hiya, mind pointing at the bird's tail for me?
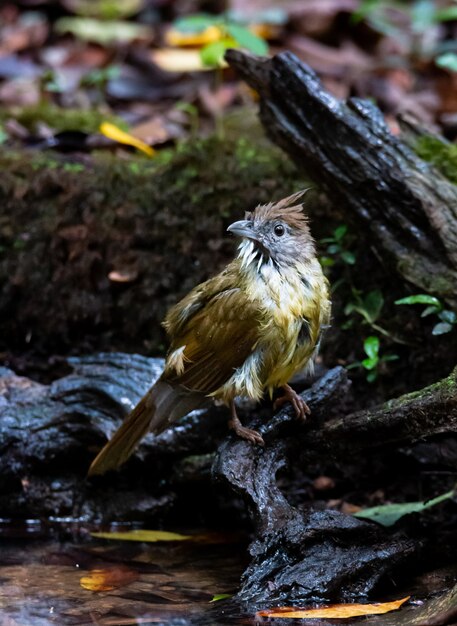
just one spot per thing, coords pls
(162, 405)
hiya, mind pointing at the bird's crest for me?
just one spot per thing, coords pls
(286, 209)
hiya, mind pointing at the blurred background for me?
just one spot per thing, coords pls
(154, 68)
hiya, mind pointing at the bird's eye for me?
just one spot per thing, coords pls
(279, 230)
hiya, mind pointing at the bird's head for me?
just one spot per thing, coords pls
(276, 232)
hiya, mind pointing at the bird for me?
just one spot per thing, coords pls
(241, 333)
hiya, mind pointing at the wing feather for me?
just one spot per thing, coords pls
(218, 336)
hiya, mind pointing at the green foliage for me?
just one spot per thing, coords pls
(368, 305)
(246, 39)
(448, 319)
(212, 54)
(338, 248)
(420, 298)
(373, 360)
(234, 35)
(221, 596)
(442, 154)
(61, 119)
(448, 61)
(389, 514)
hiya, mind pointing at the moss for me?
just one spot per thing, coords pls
(163, 219)
(60, 119)
(441, 154)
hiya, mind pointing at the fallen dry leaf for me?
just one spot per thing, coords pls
(156, 130)
(150, 536)
(116, 134)
(177, 60)
(108, 578)
(340, 611)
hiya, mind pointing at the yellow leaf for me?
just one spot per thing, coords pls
(175, 37)
(108, 578)
(150, 536)
(176, 60)
(340, 611)
(113, 132)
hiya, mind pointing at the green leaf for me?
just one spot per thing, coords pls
(371, 347)
(340, 232)
(420, 298)
(388, 514)
(333, 248)
(373, 303)
(430, 310)
(348, 257)
(448, 61)
(390, 357)
(150, 536)
(442, 328)
(326, 261)
(246, 39)
(372, 376)
(448, 316)
(446, 14)
(196, 23)
(370, 364)
(220, 596)
(349, 308)
(213, 53)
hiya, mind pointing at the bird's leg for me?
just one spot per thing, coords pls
(300, 406)
(245, 433)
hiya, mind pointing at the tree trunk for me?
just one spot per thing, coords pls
(406, 208)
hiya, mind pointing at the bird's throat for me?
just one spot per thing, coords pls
(253, 255)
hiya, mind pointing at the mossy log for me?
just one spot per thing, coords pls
(405, 207)
(95, 248)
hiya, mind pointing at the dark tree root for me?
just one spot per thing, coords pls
(318, 554)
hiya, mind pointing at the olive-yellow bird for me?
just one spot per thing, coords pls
(247, 330)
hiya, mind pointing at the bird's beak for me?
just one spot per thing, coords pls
(243, 228)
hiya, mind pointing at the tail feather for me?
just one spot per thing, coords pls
(162, 405)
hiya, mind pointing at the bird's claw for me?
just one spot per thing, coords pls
(301, 409)
(246, 433)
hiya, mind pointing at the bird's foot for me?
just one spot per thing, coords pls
(242, 431)
(301, 409)
(246, 433)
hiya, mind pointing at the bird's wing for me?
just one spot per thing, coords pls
(179, 315)
(216, 334)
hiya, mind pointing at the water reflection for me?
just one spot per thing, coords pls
(88, 581)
